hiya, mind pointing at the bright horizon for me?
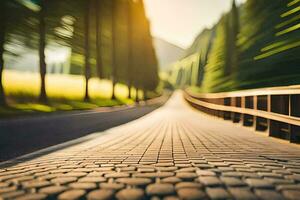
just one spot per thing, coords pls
(196, 15)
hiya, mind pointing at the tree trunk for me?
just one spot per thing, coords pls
(129, 48)
(87, 50)
(136, 95)
(129, 91)
(42, 46)
(113, 96)
(113, 49)
(2, 41)
(98, 39)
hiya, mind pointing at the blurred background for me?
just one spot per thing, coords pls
(58, 55)
(65, 55)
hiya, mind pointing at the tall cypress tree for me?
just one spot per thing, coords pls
(2, 41)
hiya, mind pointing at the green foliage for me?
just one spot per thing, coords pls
(108, 39)
(222, 58)
(255, 45)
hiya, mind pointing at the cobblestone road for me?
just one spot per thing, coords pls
(173, 153)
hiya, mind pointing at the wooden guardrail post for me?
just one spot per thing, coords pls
(236, 102)
(227, 114)
(280, 105)
(248, 119)
(295, 112)
(262, 102)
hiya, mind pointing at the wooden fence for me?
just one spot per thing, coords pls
(275, 111)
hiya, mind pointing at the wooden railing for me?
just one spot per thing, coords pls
(275, 111)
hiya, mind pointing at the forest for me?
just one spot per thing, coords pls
(254, 45)
(108, 40)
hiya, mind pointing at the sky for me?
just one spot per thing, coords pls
(180, 21)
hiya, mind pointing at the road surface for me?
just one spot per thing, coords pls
(175, 152)
(25, 135)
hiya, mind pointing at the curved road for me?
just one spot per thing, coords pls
(26, 135)
(174, 152)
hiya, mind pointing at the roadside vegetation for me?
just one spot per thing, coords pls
(254, 45)
(23, 92)
(87, 54)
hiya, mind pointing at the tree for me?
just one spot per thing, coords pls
(98, 38)
(2, 41)
(129, 47)
(222, 57)
(113, 48)
(42, 46)
(87, 49)
(258, 20)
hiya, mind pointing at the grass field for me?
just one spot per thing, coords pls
(65, 92)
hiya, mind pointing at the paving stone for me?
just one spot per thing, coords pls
(169, 198)
(12, 195)
(92, 179)
(183, 165)
(233, 174)
(71, 194)
(291, 194)
(154, 175)
(146, 170)
(188, 169)
(217, 193)
(288, 187)
(160, 189)
(64, 180)
(83, 186)
(293, 177)
(186, 175)
(102, 194)
(232, 182)
(259, 183)
(130, 194)
(172, 180)
(117, 175)
(210, 181)
(35, 184)
(191, 194)
(126, 169)
(52, 190)
(112, 186)
(134, 181)
(75, 174)
(205, 173)
(270, 175)
(8, 189)
(166, 169)
(277, 181)
(268, 194)
(164, 164)
(242, 194)
(3, 184)
(188, 185)
(32, 197)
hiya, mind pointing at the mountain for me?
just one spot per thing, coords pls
(167, 53)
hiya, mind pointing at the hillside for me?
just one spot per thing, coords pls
(167, 53)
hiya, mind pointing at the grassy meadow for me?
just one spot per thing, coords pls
(65, 92)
